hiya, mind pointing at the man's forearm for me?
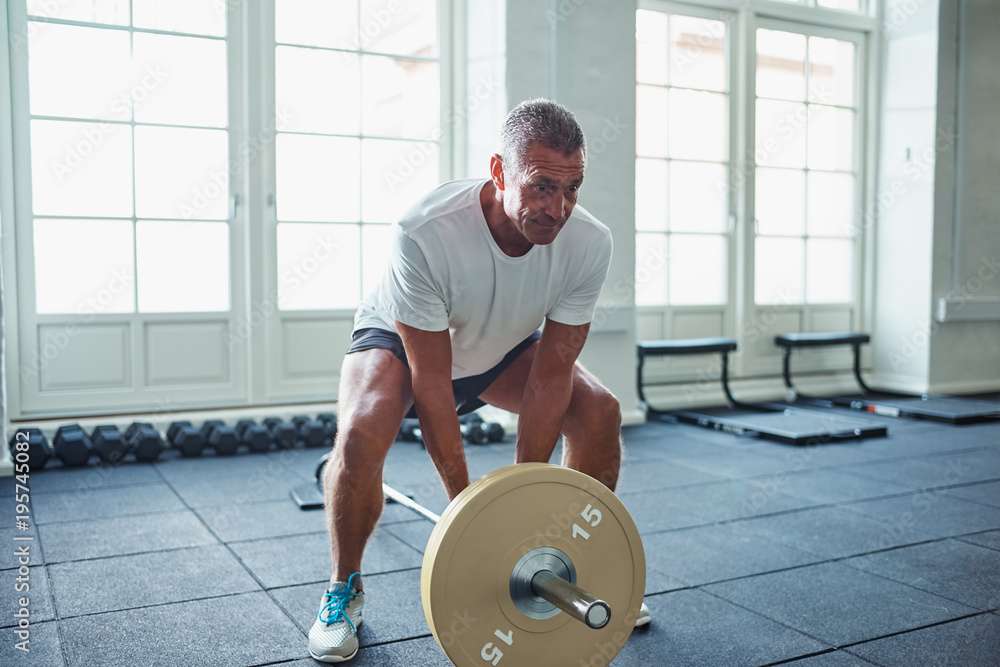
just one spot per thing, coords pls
(441, 434)
(542, 411)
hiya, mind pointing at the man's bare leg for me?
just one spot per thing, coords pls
(592, 426)
(375, 394)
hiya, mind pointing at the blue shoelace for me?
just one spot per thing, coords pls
(336, 601)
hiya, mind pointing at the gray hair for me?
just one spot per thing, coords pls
(539, 122)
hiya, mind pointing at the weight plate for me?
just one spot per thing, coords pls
(487, 530)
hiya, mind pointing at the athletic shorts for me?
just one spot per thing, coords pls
(467, 389)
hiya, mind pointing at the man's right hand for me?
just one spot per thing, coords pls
(429, 356)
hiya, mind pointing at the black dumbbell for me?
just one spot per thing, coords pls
(39, 450)
(253, 435)
(143, 440)
(474, 433)
(283, 434)
(72, 445)
(312, 433)
(494, 432)
(223, 440)
(186, 438)
(408, 430)
(329, 421)
(207, 427)
(108, 443)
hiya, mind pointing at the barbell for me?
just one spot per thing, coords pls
(531, 564)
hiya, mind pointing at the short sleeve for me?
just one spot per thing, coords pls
(408, 292)
(578, 305)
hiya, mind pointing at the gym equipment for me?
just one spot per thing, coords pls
(187, 439)
(208, 426)
(311, 432)
(143, 440)
(108, 443)
(72, 445)
(947, 409)
(571, 535)
(282, 433)
(409, 431)
(253, 435)
(780, 423)
(329, 421)
(572, 538)
(223, 440)
(39, 450)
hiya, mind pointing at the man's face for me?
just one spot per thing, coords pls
(540, 196)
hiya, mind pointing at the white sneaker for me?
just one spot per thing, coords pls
(644, 616)
(334, 635)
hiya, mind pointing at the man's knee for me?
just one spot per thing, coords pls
(363, 441)
(597, 411)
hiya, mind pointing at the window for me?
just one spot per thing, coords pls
(129, 137)
(682, 207)
(359, 85)
(805, 175)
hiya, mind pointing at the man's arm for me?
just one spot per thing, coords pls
(429, 356)
(548, 391)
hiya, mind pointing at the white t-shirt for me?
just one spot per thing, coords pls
(446, 272)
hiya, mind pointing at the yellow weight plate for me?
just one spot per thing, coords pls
(485, 531)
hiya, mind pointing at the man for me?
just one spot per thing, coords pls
(475, 268)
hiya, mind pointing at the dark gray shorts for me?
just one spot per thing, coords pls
(467, 390)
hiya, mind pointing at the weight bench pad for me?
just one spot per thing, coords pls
(821, 339)
(652, 348)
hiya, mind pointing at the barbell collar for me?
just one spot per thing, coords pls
(572, 599)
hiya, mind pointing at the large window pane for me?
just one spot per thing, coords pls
(651, 195)
(851, 5)
(781, 134)
(318, 89)
(831, 71)
(651, 121)
(406, 28)
(395, 174)
(79, 72)
(828, 271)
(84, 266)
(779, 201)
(698, 197)
(651, 47)
(781, 65)
(697, 125)
(318, 178)
(330, 23)
(697, 269)
(319, 266)
(199, 17)
(375, 244)
(181, 173)
(114, 12)
(183, 80)
(197, 283)
(697, 53)
(81, 169)
(650, 269)
(399, 98)
(779, 270)
(831, 138)
(831, 204)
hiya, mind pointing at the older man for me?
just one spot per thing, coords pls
(476, 267)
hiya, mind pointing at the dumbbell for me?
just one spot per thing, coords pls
(311, 432)
(186, 438)
(223, 440)
(143, 440)
(282, 433)
(474, 433)
(409, 430)
(72, 445)
(107, 440)
(329, 421)
(38, 452)
(494, 432)
(253, 435)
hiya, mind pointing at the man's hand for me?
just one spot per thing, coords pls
(429, 356)
(549, 389)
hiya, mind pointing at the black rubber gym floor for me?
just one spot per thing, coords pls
(884, 551)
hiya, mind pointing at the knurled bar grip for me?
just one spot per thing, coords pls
(572, 599)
